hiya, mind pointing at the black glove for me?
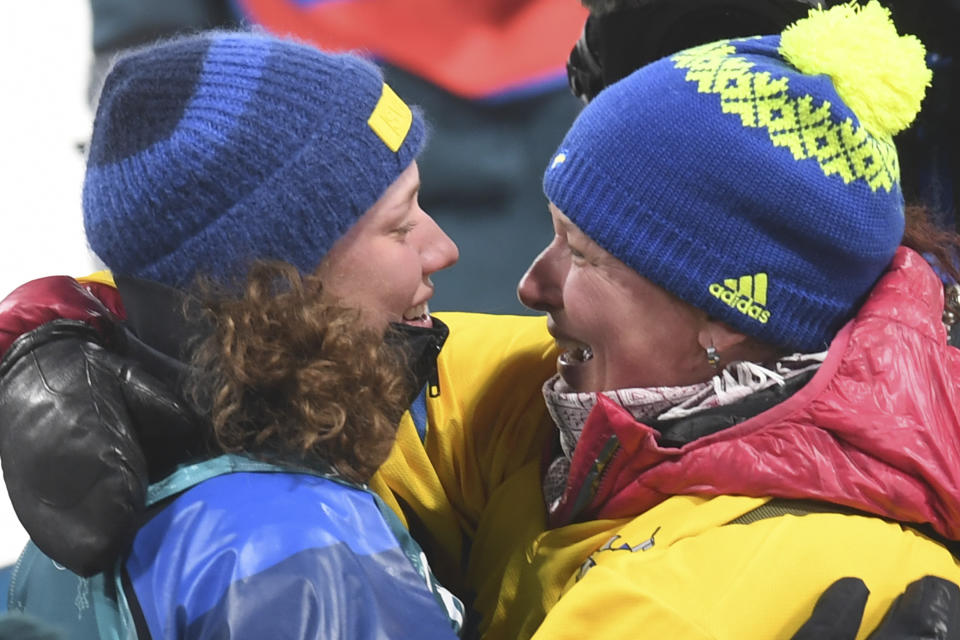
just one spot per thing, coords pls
(72, 462)
(929, 609)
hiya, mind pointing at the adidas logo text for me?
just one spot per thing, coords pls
(747, 294)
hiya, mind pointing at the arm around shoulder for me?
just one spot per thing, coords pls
(760, 580)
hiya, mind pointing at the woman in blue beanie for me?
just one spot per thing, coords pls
(755, 393)
(256, 202)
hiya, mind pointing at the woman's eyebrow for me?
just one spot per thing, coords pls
(400, 207)
(412, 191)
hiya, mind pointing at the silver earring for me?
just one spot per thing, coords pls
(712, 356)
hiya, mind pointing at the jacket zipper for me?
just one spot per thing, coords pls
(593, 482)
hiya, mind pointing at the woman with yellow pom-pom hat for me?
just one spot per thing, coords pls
(754, 394)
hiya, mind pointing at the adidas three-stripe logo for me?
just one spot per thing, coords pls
(746, 294)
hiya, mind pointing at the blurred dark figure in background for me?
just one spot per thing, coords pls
(928, 156)
(623, 35)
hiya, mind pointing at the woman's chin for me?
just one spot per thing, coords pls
(572, 378)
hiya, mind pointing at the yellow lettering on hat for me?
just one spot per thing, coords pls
(391, 119)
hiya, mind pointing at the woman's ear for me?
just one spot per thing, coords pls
(731, 345)
(720, 336)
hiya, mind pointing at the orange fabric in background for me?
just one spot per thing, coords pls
(473, 48)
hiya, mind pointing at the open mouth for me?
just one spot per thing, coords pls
(575, 355)
(571, 363)
(418, 316)
(572, 351)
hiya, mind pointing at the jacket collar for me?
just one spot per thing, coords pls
(157, 314)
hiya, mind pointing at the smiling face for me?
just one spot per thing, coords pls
(615, 328)
(382, 265)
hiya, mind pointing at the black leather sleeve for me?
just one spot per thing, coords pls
(72, 463)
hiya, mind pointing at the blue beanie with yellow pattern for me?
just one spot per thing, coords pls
(211, 151)
(757, 179)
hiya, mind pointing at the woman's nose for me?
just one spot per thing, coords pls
(438, 251)
(541, 287)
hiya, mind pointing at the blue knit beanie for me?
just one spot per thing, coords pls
(211, 151)
(756, 179)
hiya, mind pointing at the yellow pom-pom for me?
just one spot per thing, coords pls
(882, 76)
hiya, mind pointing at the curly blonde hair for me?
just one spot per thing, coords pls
(289, 373)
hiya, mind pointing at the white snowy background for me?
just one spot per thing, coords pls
(44, 57)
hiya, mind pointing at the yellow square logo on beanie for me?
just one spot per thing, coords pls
(391, 118)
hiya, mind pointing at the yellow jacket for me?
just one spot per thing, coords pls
(488, 421)
(471, 493)
(679, 571)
